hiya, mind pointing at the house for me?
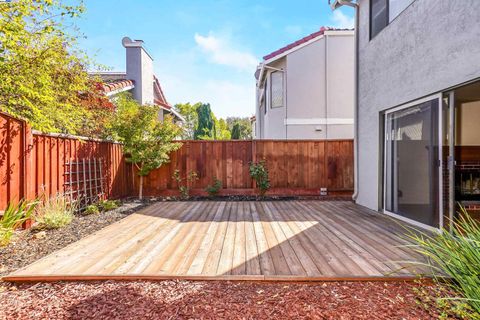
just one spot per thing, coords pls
(138, 79)
(305, 90)
(417, 108)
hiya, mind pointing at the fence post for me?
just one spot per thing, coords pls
(29, 163)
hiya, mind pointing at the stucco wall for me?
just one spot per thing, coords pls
(319, 84)
(431, 46)
(140, 70)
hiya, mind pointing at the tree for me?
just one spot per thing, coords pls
(206, 125)
(221, 129)
(189, 113)
(236, 131)
(147, 142)
(41, 71)
(243, 130)
(101, 111)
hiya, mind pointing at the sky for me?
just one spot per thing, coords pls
(204, 51)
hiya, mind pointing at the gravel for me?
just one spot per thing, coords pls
(212, 300)
(31, 245)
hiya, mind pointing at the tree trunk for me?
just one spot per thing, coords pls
(140, 189)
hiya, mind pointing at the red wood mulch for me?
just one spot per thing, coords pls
(211, 300)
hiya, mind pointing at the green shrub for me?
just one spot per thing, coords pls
(455, 254)
(259, 173)
(91, 209)
(184, 189)
(107, 205)
(213, 190)
(13, 217)
(55, 212)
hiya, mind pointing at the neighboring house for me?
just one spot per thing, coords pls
(305, 90)
(138, 79)
(418, 108)
(253, 123)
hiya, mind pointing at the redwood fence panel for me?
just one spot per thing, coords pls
(296, 167)
(33, 164)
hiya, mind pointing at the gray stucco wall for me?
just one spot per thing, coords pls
(140, 70)
(431, 46)
(319, 84)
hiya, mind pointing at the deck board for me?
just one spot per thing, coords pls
(232, 240)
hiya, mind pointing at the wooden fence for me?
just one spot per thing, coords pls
(33, 164)
(296, 167)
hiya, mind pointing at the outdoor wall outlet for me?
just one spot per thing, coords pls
(323, 191)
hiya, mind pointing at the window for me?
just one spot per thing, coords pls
(382, 12)
(378, 16)
(276, 89)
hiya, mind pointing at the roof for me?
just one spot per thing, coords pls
(159, 96)
(297, 43)
(117, 85)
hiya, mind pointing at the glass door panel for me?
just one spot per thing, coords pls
(411, 163)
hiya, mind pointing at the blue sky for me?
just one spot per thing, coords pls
(204, 50)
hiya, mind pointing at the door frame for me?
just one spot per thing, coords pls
(439, 97)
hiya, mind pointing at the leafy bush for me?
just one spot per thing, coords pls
(259, 173)
(13, 217)
(55, 212)
(213, 190)
(184, 188)
(91, 209)
(455, 254)
(107, 205)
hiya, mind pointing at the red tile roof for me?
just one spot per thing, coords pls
(159, 96)
(301, 41)
(116, 85)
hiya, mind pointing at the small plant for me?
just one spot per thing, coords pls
(107, 205)
(91, 209)
(184, 189)
(54, 213)
(13, 217)
(455, 254)
(213, 190)
(259, 173)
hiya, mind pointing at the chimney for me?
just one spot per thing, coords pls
(140, 70)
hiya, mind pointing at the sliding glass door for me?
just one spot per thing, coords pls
(412, 160)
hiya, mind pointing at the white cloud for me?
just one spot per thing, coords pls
(343, 21)
(221, 51)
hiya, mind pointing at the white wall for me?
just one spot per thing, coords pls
(468, 124)
(319, 88)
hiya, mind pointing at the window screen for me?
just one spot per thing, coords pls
(276, 89)
(378, 16)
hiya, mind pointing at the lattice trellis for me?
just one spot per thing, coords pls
(84, 181)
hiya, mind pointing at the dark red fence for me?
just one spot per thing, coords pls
(296, 167)
(32, 164)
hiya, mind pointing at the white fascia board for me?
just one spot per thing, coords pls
(318, 121)
(114, 92)
(339, 32)
(174, 112)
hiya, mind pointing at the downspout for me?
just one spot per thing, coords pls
(356, 96)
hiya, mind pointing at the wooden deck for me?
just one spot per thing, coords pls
(280, 240)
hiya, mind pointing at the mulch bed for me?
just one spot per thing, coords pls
(212, 300)
(26, 247)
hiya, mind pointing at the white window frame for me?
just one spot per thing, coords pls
(271, 89)
(440, 157)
